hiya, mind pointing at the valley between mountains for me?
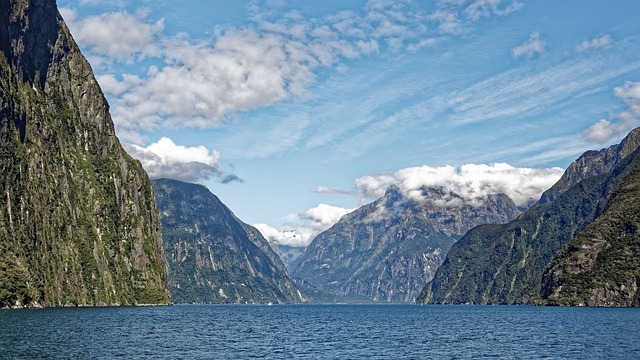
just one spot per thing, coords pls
(82, 224)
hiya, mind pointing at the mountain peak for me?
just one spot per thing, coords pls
(593, 163)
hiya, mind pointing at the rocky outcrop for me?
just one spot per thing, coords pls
(212, 256)
(387, 250)
(78, 221)
(504, 264)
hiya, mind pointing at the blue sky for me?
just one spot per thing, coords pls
(293, 112)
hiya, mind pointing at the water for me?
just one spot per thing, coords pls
(321, 332)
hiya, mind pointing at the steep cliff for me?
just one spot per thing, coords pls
(500, 264)
(212, 256)
(387, 250)
(78, 221)
(601, 266)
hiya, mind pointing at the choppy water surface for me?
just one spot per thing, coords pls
(321, 332)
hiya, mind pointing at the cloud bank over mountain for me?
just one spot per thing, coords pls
(470, 181)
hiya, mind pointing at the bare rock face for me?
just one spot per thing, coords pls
(387, 250)
(78, 221)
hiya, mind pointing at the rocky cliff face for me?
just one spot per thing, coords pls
(212, 256)
(385, 251)
(78, 222)
(601, 266)
(505, 263)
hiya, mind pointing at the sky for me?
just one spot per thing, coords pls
(296, 112)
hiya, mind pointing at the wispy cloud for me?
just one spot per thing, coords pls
(533, 46)
(599, 42)
(455, 17)
(326, 190)
(528, 90)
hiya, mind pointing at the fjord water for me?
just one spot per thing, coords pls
(321, 332)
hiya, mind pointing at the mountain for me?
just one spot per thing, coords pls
(593, 163)
(287, 253)
(78, 221)
(504, 264)
(212, 256)
(601, 266)
(386, 251)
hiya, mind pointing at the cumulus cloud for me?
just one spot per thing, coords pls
(530, 48)
(601, 41)
(471, 181)
(304, 228)
(201, 84)
(601, 131)
(118, 35)
(165, 159)
(605, 131)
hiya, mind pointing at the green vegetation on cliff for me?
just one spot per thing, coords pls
(78, 222)
(601, 266)
(504, 264)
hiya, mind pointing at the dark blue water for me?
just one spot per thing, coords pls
(321, 332)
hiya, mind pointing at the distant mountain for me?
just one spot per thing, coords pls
(504, 264)
(288, 254)
(601, 266)
(386, 251)
(78, 221)
(212, 256)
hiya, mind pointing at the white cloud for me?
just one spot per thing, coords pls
(600, 132)
(457, 16)
(484, 8)
(533, 46)
(199, 84)
(471, 181)
(111, 85)
(305, 227)
(118, 35)
(165, 159)
(605, 131)
(601, 41)
(423, 43)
